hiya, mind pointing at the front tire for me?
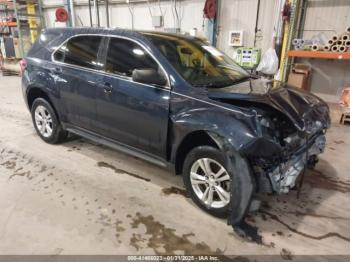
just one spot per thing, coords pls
(46, 122)
(207, 179)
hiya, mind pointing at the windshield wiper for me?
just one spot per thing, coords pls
(223, 84)
(243, 79)
(209, 85)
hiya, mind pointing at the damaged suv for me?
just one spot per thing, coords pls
(177, 102)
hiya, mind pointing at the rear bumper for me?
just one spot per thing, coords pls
(24, 84)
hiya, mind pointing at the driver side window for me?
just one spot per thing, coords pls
(124, 56)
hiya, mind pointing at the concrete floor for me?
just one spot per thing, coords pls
(82, 198)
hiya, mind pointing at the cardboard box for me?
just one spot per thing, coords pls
(300, 76)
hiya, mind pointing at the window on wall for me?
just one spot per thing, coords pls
(124, 56)
(80, 51)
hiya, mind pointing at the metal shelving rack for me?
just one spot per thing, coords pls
(319, 55)
(29, 20)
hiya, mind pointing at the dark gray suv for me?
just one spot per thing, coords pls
(177, 102)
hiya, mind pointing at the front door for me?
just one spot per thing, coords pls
(132, 113)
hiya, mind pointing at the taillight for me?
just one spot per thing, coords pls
(23, 65)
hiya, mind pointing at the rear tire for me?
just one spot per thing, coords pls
(46, 122)
(210, 189)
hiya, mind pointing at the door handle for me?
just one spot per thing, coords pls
(56, 70)
(107, 88)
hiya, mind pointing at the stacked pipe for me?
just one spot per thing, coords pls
(337, 43)
(340, 42)
(302, 44)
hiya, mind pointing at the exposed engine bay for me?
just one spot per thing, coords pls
(299, 151)
(283, 177)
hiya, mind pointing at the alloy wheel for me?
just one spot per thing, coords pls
(43, 121)
(210, 182)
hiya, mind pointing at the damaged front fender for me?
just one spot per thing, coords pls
(238, 128)
(243, 184)
(231, 133)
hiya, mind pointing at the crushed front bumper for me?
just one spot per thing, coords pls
(283, 177)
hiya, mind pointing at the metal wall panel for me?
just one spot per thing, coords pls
(329, 17)
(241, 15)
(190, 12)
(234, 14)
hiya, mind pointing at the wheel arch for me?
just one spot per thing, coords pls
(36, 92)
(190, 141)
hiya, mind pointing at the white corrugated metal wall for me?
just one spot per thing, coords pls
(234, 15)
(241, 15)
(190, 12)
(329, 17)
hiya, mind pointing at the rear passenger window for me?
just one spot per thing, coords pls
(124, 56)
(80, 51)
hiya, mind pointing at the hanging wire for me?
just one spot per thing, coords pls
(149, 8)
(131, 10)
(182, 12)
(160, 9)
(177, 14)
(172, 12)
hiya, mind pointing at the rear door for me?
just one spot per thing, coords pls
(78, 72)
(132, 113)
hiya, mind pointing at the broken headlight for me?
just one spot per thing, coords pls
(268, 127)
(266, 122)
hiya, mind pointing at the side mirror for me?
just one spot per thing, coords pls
(148, 76)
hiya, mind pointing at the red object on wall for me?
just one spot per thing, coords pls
(210, 9)
(286, 12)
(61, 15)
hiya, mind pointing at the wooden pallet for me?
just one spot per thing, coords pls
(345, 117)
(9, 73)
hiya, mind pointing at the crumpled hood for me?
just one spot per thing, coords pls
(302, 108)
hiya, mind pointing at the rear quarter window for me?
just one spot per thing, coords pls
(43, 44)
(80, 51)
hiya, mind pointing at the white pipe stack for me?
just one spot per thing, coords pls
(342, 48)
(345, 37)
(335, 38)
(338, 43)
(327, 48)
(301, 44)
(317, 48)
(334, 48)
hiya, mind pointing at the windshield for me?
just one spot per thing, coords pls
(199, 64)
